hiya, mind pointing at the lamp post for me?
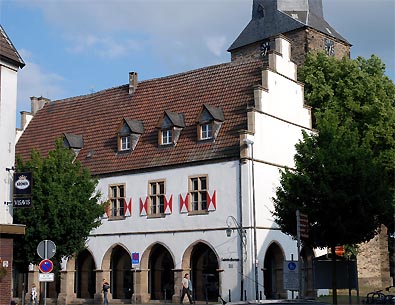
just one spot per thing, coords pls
(242, 234)
(250, 142)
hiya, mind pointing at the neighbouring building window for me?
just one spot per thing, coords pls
(198, 193)
(157, 197)
(117, 199)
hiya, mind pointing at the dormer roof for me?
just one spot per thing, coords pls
(73, 141)
(135, 126)
(273, 17)
(8, 52)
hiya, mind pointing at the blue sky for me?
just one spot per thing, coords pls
(75, 47)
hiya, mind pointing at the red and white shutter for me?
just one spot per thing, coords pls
(211, 201)
(144, 206)
(127, 207)
(184, 202)
(169, 205)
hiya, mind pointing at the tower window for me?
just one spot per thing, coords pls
(261, 12)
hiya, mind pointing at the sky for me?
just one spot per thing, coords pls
(76, 47)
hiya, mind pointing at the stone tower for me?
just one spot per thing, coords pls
(301, 21)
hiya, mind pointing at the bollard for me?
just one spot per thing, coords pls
(164, 293)
(245, 295)
(230, 297)
(260, 295)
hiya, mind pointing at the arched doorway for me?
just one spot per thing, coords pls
(121, 274)
(161, 276)
(85, 277)
(204, 273)
(273, 272)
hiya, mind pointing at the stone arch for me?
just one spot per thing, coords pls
(273, 272)
(203, 262)
(117, 260)
(85, 274)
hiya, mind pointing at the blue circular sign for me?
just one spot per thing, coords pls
(46, 266)
(291, 266)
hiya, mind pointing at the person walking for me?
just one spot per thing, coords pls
(33, 295)
(186, 288)
(106, 287)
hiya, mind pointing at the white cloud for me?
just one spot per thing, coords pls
(105, 47)
(33, 81)
(216, 44)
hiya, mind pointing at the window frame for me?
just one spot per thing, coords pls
(128, 142)
(169, 139)
(117, 202)
(198, 197)
(206, 134)
(158, 198)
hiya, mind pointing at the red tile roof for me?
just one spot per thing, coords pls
(97, 117)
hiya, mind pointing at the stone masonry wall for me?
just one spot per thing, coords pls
(302, 41)
(6, 253)
(373, 263)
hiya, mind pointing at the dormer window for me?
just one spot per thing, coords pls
(170, 126)
(129, 134)
(209, 122)
(206, 131)
(74, 142)
(167, 137)
(125, 143)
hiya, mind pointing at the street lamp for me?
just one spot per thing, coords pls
(242, 233)
(250, 142)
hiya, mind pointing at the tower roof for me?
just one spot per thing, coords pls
(274, 17)
(8, 51)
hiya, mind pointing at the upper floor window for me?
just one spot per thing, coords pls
(209, 121)
(116, 195)
(129, 134)
(157, 197)
(170, 126)
(198, 193)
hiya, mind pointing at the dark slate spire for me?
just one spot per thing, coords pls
(274, 17)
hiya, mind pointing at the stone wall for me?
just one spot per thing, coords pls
(373, 263)
(302, 40)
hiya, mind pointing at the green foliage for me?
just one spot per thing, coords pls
(65, 205)
(344, 173)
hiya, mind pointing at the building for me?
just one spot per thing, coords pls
(10, 63)
(188, 160)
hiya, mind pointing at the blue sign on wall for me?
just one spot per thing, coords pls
(135, 258)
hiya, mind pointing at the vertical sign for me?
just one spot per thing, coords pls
(135, 259)
(22, 197)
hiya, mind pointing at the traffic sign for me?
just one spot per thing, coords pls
(46, 266)
(46, 249)
(135, 258)
(46, 277)
(290, 275)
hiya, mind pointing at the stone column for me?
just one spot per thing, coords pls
(140, 295)
(67, 294)
(32, 277)
(178, 275)
(100, 275)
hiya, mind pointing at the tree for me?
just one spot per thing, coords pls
(65, 205)
(344, 172)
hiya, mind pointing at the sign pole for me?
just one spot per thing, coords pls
(299, 257)
(45, 257)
